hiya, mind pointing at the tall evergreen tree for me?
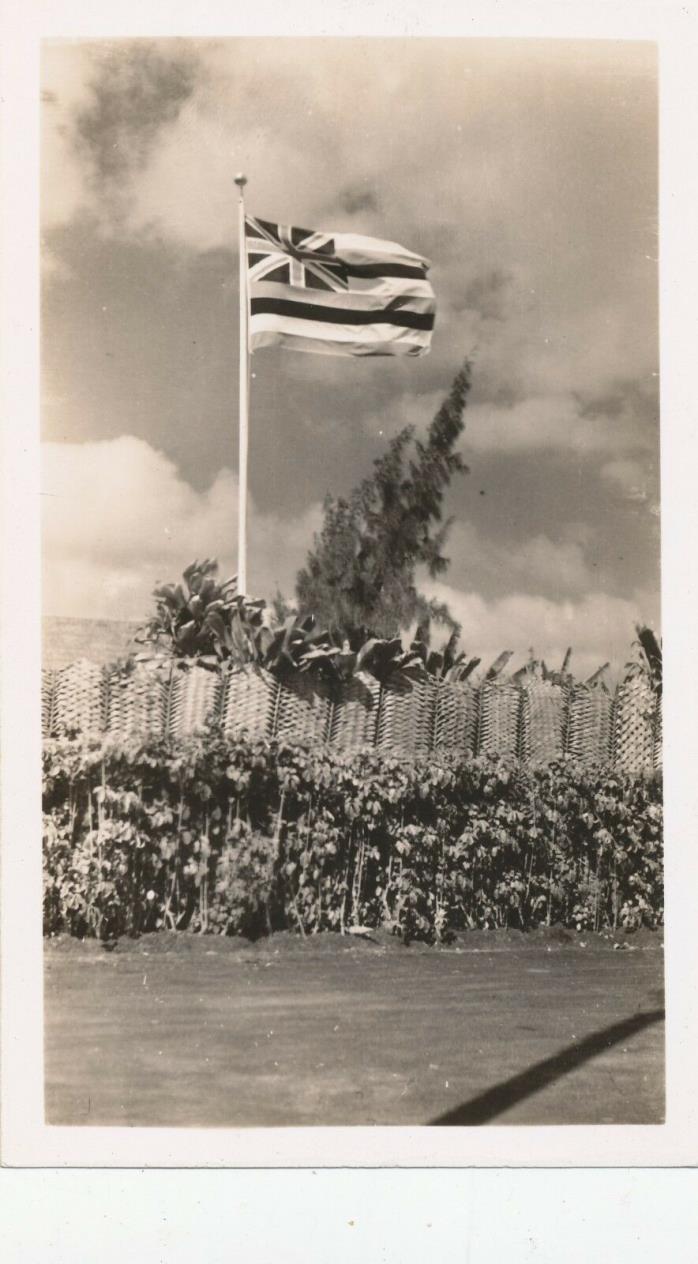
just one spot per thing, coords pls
(362, 567)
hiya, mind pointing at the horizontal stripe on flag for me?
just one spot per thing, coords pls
(330, 330)
(369, 340)
(370, 300)
(400, 316)
(363, 288)
(384, 269)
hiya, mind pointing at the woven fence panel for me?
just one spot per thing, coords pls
(499, 718)
(543, 715)
(354, 720)
(138, 700)
(79, 698)
(455, 718)
(589, 725)
(48, 682)
(406, 716)
(196, 698)
(658, 732)
(634, 726)
(537, 721)
(304, 710)
(249, 703)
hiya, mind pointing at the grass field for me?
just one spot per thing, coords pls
(497, 1028)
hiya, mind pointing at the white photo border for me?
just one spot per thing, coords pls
(26, 1140)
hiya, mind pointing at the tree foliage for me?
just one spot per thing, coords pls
(362, 569)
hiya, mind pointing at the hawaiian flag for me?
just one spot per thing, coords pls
(335, 293)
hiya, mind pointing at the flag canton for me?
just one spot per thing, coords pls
(293, 256)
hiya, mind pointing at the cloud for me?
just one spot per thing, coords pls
(105, 109)
(551, 423)
(556, 423)
(490, 294)
(135, 93)
(118, 517)
(64, 74)
(358, 197)
(534, 564)
(598, 626)
(628, 477)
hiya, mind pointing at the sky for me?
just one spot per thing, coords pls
(525, 171)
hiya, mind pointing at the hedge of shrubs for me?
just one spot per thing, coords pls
(237, 836)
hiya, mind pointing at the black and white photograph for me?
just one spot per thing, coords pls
(351, 679)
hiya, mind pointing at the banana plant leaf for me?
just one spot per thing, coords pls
(498, 665)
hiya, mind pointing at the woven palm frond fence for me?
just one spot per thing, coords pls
(455, 719)
(354, 721)
(79, 698)
(406, 716)
(590, 723)
(48, 693)
(635, 725)
(536, 720)
(543, 721)
(658, 738)
(138, 699)
(499, 718)
(194, 701)
(250, 702)
(304, 709)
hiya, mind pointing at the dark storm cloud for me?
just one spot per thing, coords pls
(641, 397)
(488, 294)
(136, 90)
(356, 198)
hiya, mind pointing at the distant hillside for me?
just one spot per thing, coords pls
(100, 640)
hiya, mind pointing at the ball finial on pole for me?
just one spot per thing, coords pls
(241, 180)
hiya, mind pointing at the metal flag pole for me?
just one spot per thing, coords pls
(243, 423)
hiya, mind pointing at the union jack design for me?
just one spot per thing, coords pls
(293, 256)
(335, 293)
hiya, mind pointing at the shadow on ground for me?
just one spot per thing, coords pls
(486, 1106)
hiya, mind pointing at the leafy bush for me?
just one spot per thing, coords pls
(234, 836)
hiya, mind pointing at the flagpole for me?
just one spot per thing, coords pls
(243, 418)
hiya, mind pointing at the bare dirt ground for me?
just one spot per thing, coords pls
(174, 1030)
